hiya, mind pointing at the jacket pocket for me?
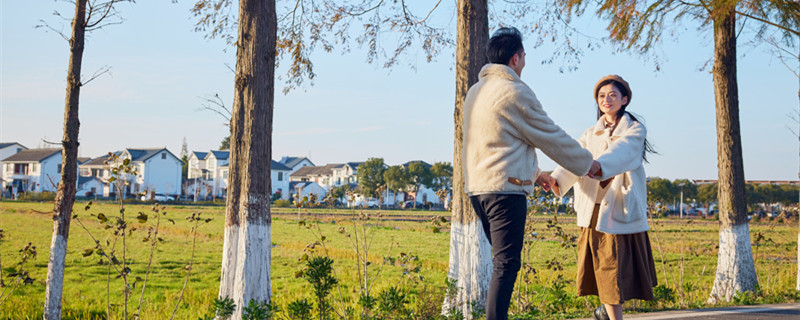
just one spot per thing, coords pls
(630, 197)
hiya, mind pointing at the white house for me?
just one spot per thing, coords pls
(32, 170)
(8, 149)
(322, 175)
(158, 171)
(346, 173)
(279, 175)
(96, 168)
(213, 173)
(197, 165)
(90, 186)
(217, 166)
(295, 163)
(305, 188)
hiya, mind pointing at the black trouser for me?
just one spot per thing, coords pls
(503, 219)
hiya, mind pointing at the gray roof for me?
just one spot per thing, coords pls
(83, 180)
(8, 144)
(82, 160)
(99, 161)
(301, 185)
(291, 162)
(279, 166)
(315, 171)
(143, 154)
(32, 155)
(200, 155)
(407, 164)
(355, 165)
(219, 154)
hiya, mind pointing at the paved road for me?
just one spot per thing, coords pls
(786, 311)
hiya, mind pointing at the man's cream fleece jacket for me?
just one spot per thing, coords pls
(504, 124)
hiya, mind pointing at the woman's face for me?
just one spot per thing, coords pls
(610, 100)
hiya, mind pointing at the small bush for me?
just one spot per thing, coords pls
(282, 203)
(39, 196)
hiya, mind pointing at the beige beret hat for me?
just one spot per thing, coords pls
(617, 79)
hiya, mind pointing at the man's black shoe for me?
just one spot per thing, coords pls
(600, 313)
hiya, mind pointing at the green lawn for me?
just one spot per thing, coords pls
(686, 250)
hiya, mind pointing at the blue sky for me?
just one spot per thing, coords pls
(160, 69)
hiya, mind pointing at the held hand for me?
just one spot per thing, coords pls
(595, 170)
(545, 181)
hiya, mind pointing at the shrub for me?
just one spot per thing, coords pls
(282, 203)
(40, 196)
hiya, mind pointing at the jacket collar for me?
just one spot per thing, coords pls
(498, 70)
(624, 123)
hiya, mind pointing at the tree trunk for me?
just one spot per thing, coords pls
(470, 263)
(65, 196)
(798, 175)
(247, 248)
(231, 237)
(735, 268)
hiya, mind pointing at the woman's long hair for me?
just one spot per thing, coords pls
(648, 148)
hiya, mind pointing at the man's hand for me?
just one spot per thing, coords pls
(545, 181)
(595, 170)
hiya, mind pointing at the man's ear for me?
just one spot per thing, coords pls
(514, 60)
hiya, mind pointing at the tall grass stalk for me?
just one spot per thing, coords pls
(154, 239)
(195, 217)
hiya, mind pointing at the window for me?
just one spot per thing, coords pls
(33, 167)
(225, 174)
(59, 168)
(280, 176)
(164, 155)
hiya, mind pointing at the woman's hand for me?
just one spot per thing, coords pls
(546, 181)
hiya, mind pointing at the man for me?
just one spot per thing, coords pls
(504, 124)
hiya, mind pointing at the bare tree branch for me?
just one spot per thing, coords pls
(216, 105)
(784, 28)
(99, 72)
(47, 26)
(51, 142)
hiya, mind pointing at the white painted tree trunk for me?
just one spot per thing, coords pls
(798, 262)
(470, 267)
(736, 271)
(252, 273)
(65, 196)
(55, 276)
(229, 257)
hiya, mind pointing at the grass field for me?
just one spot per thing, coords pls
(685, 253)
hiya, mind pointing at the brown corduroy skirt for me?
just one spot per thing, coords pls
(615, 267)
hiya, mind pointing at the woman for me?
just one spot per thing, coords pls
(615, 261)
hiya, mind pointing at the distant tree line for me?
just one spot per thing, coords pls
(375, 177)
(665, 191)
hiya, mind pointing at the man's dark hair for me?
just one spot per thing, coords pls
(504, 44)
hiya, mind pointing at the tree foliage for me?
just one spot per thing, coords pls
(397, 178)
(441, 176)
(388, 30)
(305, 25)
(661, 190)
(370, 176)
(420, 174)
(707, 193)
